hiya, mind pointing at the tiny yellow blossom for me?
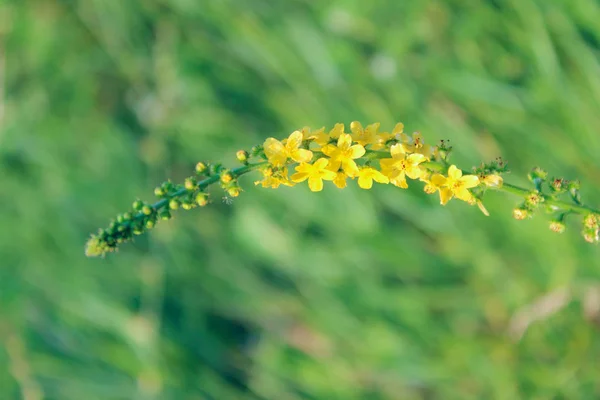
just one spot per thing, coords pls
(323, 139)
(343, 155)
(307, 134)
(367, 175)
(402, 165)
(455, 185)
(274, 178)
(278, 152)
(315, 173)
(364, 136)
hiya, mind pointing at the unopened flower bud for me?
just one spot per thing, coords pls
(234, 191)
(174, 204)
(147, 210)
(159, 192)
(242, 156)
(187, 206)
(165, 214)
(190, 183)
(590, 235)
(137, 205)
(201, 167)
(202, 199)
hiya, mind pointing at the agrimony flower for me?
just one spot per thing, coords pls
(344, 154)
(367, 175)
(402, 165)
(278, 152)
(315, 173)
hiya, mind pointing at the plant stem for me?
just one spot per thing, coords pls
(522, 192)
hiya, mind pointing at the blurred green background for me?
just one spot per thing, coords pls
(287, 294)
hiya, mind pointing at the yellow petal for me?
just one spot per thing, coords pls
(454, 173)
(321, 163)
(445, 195)
(397, 150)
(334, 165)
(469, 181)
(329, 150)
(337, 130)
(365, 181)
(302, 155)
(344, 141)
(328, 175)
(340, 180)
(416, 158)
(464, 195)
(350, 168)
(299, 177)
(379, 177)
(399, 128)
(294, 141)
(315, 184)
(357, 151)
(356, 128)
(438, 180)
(304, 167)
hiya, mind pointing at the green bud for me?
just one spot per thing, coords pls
(147, 210)
(226, 176)
(202, 199)
(215, 168)
(537, 173)
(174, 204)
(159, 192)
(150, 224)
(190, 183)
(242, 156)
(137, 205)
(187, 206)
(201, 167)
(127, 216)
(165, 215)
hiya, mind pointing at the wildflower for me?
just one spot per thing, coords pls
(273, 178)
(402, 165)
(344, 155)
(323, 139)
(455, 185)
(278, 153)
(315, 173)
(307, 134)
(364, 136)
(367, 175)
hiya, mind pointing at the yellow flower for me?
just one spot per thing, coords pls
(308, 135)
(323, 139)
(402, 165)
(272, 178)
(315, 173)
(455, 185)
(278, 152)
(344, 155)
(364, 136)
(367, 175)
(416, 144)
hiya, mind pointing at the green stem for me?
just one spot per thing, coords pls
(522, 192)
(203, 184)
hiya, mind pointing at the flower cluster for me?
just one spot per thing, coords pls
(364, 154)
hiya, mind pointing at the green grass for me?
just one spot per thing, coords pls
(288, 294)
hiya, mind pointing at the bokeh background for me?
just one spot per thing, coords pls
(287, 294)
